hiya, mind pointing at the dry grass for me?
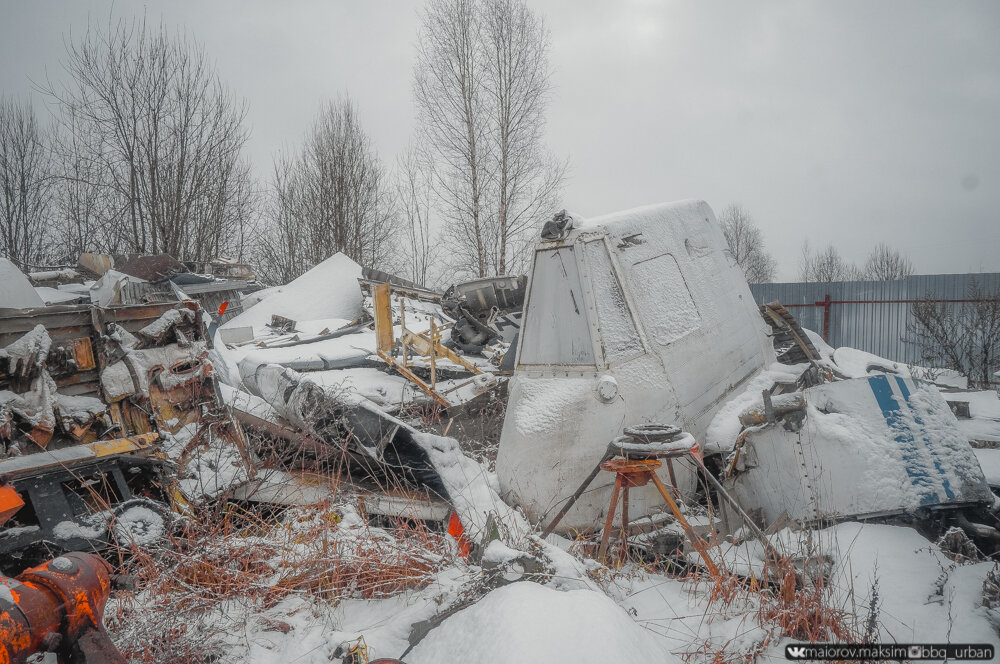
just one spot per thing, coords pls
(785, 603)
(228, 565)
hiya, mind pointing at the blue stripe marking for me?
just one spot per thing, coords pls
(945, 484)
(915, 467)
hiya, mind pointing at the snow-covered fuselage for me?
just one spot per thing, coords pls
(636, 317)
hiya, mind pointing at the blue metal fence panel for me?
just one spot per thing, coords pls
(866, 314)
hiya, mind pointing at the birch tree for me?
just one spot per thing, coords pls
(449, 96)
(481, 87)
(826, 265)
(885, 264)
(526, 178)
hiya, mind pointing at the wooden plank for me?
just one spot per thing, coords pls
(20, 324)
(83, 389)
(383, 319)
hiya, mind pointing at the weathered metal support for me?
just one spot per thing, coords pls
(609, 521)
(58, 607)
(696, 540)
(428, 346)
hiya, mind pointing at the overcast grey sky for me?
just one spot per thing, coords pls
(852, 122)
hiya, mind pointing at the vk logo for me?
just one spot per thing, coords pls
(794, 652)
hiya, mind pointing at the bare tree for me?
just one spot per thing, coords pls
(746, 244)
(280, 251)
(152, 147)
(964, 337)
(415, 199)
(447, 90)
(481, 85)
(25, 185)
(826, 265)
(89, 220)
(886, 264)
(332, 196)
(526, 178)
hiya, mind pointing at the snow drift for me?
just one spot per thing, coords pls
(329, 290)
(527, 622)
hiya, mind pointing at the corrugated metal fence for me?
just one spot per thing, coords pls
(870, 315)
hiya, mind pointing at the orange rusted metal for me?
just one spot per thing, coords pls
(83, 354)
(635, 472)
(10, 502)
(457, 531)
(629, 474)
(58, 607)
(41, 435)
(632, 473)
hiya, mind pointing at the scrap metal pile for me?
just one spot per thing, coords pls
(112, 417)
(109, 417)
(113, 420)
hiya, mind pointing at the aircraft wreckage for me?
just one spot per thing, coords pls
(639, 318)
(642, 377)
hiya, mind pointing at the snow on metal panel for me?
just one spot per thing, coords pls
(16, 292)
(556, 330)
(668, 312)
(619, 337)
(868, 446)
(876, 327)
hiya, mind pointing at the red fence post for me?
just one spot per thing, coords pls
(826, 318)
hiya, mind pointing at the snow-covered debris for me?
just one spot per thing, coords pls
(93, 526)
(117, 379)
(52, 275)
(866, 446)
(989, 461)
(36, 407)
(79, 408)
(340, 353)
(78, 289)
(16, 292)
(123, 337)
(106, 290)
(923, 596)
(211, 464)
(725, 427)
(329, 290)
(140, 525)
(56, 296)
(248, 403)
(854, 363)
(28, 352)
(472, 490)
(528, 622)
(984, 409)
(170, 319)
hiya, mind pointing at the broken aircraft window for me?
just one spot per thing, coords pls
(556, 330)
(619, 337)
(663, 299)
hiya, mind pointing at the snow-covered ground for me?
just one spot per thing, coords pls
(544, 601)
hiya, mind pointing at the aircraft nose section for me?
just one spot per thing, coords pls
(557, 428)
